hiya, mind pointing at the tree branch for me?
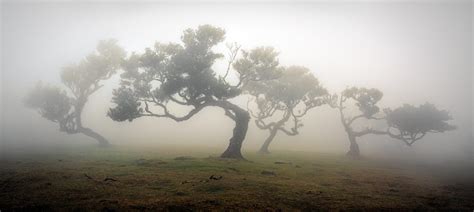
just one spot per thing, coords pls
(233, 52)
(167, 114)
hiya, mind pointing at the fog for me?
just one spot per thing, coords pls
(413, 52)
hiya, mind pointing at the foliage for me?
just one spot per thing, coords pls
(365, 99)
(407, 123)
(82, 80)
(128, 106)
(259, 64)
(51, 102)
(183, 74)
(293, 93)
(412, 123)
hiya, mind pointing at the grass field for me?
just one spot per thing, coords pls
(125, 178)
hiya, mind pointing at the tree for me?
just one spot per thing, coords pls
(366, 102)
(182, 74)
(410, 124)
(407, 123)
(81, 80)
(285, 99)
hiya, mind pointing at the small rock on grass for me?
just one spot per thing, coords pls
(268, 173)
(180, 193)
(282, 162)
(314, 192)
(215, 177)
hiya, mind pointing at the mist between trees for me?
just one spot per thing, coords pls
(167, 77)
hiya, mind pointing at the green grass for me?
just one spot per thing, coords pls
(151, 179)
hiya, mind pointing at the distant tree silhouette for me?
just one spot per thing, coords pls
(183, 74)
(285, 99)
(407, 123)
(365, 100)
(82, 80)
(410, 124)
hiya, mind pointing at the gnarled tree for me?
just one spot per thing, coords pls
(82, 80)
(182, 74)
(410, 123)
(285, 99)
(407, 123)
(366, 102)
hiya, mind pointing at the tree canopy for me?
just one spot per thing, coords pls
(365, 99)
(407, 123)
(81, 80)
(183, 74)
(410, 123)
(84, 78)
(170, 74)
(290, 96)
(51, 102)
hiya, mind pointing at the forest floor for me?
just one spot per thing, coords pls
(124, 179)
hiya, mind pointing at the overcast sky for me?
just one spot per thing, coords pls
(413, 51)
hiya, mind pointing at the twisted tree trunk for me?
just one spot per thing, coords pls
(354, 151)
(89, 132)
(241, 118)
(273, 131)
(264, 148)
(84, 130)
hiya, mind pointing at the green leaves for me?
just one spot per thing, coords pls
(295, 91)
(178, 72)
(365, 99)
(407, 123)
(410, 120)
(127, 105)
(204, 36)
(294, 85)
(259, 64)
(51, 102)
(83, 78)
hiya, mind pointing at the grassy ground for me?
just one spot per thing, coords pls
(120, 178)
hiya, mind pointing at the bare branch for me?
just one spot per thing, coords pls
(233, 52)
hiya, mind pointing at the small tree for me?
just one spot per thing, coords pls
(82, 80)
(407, 123)
(366, 102)
(285, 99)
(182, 74)
(410, 124)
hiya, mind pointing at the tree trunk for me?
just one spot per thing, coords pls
(86, 131)
(354, 151)
(241, 118)
(264, 148)
(273, 132)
